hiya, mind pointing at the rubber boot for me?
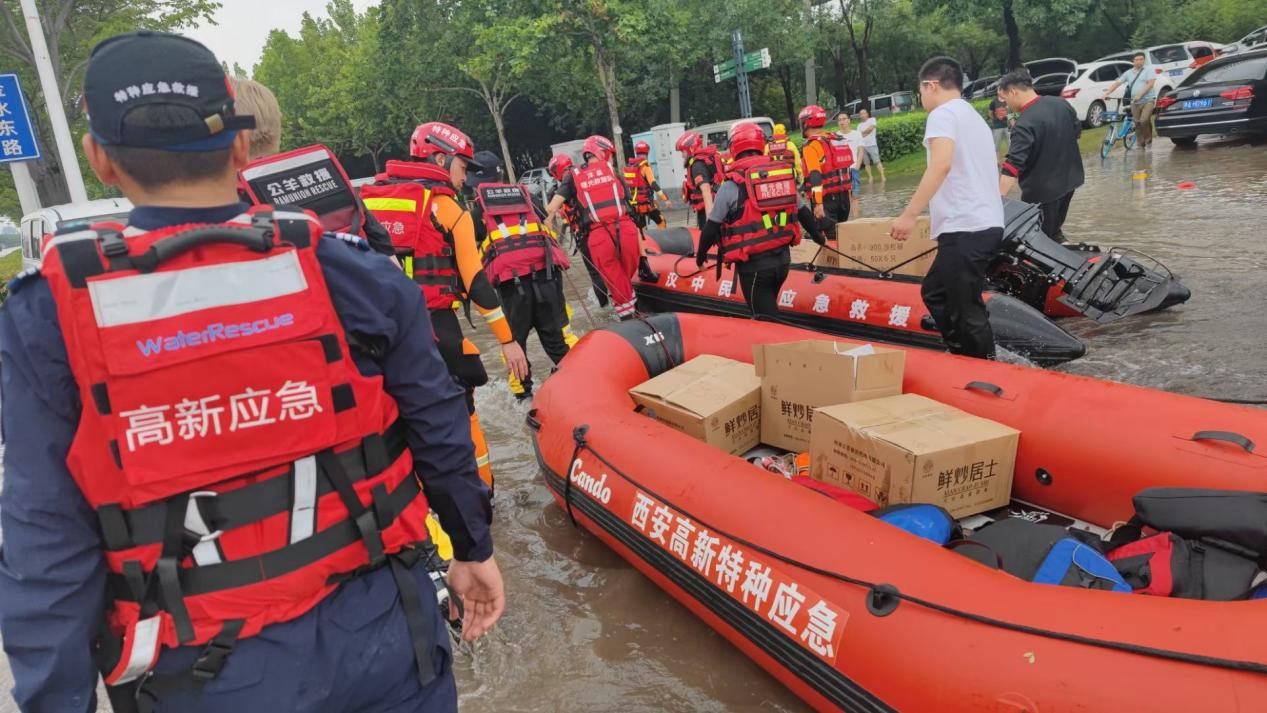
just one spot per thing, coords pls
(645, 273)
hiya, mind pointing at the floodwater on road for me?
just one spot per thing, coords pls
(584, 631)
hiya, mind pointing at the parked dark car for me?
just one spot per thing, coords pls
(1226, 96)
(977, 88)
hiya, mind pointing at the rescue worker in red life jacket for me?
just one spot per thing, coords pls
(311, 177)
(704, 174)
(559, 166)
(525, 264)
(826, 160)
(602, 202)
(754, 221)
(434, 238)
(643, 188)
(219, 500)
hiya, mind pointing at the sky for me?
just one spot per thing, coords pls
(243, 26)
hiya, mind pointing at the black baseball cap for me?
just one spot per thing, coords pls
(146, 68)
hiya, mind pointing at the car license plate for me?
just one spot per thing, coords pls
(1175, 72)
(1198, 103)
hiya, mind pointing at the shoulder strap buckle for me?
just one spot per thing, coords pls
(112, 244)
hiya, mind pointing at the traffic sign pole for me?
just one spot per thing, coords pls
(53, 101)
(741, 73)
(28, 196)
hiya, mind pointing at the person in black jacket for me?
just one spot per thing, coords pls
(1043, 155)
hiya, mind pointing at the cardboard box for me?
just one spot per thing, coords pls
(710, 398)
(804, 253)
(797, 377)
(867, 239)
(910, 449)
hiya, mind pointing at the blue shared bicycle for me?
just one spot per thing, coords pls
(1121, 128)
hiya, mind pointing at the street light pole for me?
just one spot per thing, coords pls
(53, 101)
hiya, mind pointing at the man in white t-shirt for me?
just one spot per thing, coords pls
(960, 189)
(854, 139)
(870, 144)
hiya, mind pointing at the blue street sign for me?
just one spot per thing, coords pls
(17, 136)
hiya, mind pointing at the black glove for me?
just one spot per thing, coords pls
(819, 238)
(700, 258)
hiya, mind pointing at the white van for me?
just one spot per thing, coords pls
(48, 220)
(718, 133)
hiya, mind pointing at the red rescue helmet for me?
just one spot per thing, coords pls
(813, 117)
(436, 137)
(689, 143)
(642, 148)
(559, 165)
(746, 136)
(599, 147)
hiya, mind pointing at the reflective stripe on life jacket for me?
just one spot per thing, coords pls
(402, 200)
(310, 178)
(694, 195)
(768, 219)
(516, 243)
(239, 463)
(837, 160)
(639, 189)
(599, 193)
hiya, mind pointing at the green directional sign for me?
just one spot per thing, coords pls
(752, 61)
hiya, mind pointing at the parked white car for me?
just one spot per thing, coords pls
(1172, 63)
(1250, 41)
(1085, 92)
(49, 220)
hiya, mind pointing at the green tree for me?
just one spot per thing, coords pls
(71, 29)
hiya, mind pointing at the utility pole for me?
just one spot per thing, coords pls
(811, 82)
(53, 102)
(741, 74)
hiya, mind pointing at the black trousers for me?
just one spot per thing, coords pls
(463, 361)
(652, 217)
(1054, 214)
(760, 284)
(536, 304)
(836, 208)
(596, 278)
(952, 290)
(700, 218)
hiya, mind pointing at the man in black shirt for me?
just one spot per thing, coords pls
(1043, 155)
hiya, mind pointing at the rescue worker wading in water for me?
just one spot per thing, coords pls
(754, 221)
(826, 160)
(434, 238)
(640, 180)
(601, 201)
(525, 264)
(559, 166)
(704, 174)
(208, 493)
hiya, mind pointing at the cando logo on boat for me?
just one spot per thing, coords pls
(596, 488)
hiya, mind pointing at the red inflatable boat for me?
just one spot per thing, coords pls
(794, 579)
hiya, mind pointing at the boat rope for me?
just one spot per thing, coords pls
(882, 597)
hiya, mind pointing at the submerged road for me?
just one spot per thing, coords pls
(585, 631)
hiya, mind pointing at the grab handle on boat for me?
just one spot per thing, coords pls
(1225, 436)
(984, 386)
(533, 422)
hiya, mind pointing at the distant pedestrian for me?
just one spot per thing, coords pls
(999, 123)
(870, 144)
(1043, 156)
(1141, 93)
(854, 138)
(961, 192)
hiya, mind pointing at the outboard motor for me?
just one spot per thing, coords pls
(1105, 286)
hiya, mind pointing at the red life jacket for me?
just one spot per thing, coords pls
(516, 242)
(402, 200)
(768, 221)
(694, 195)
(600, 195)
(239, 463)
(310, 178)
(837, 160)
(639, 189)
(779, 150)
